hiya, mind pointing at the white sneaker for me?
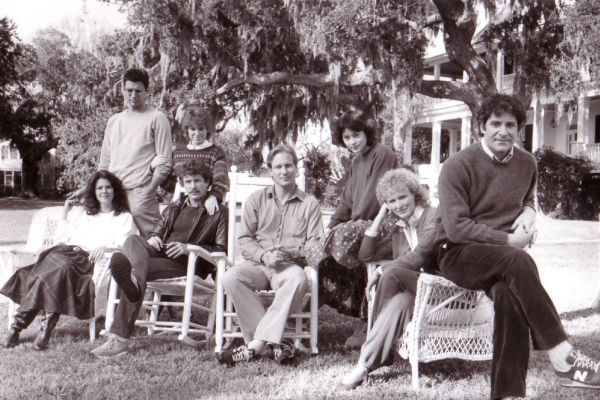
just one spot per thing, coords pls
(113, 347)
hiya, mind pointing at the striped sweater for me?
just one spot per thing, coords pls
(214, 157)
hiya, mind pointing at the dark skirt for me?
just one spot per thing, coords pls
(59, 282)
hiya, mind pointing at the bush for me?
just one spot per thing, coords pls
(318, 172)
(559, 186)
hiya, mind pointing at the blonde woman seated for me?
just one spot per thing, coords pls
(410, 245)
(60, 282)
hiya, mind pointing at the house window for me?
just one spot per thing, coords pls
(4, 152)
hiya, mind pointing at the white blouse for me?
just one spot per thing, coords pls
(92, 231)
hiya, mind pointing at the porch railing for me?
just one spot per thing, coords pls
(589, 151)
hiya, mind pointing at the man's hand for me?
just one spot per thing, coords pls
(373, 282)
(155, 242)
(211, 204)
(274, 257)
(96, 254)
(176, 249)
(519, 238)
(526, 220)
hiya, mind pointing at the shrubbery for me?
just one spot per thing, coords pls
(559, 186)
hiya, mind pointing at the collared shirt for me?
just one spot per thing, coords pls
(410, 227)
(267, 223)
(489, 152)
(204, 145)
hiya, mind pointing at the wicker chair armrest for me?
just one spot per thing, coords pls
(429, 279)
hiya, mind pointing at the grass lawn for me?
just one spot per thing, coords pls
(162, 368)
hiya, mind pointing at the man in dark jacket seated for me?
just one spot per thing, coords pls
(164, 254)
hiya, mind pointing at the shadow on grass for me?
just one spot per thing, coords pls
(16, 203)
(584, 313)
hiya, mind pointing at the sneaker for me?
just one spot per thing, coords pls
(112, 348)
(284, 354)
(12, 339)
(584, 372)
(239, 354)
(355, 378)
(358, 337)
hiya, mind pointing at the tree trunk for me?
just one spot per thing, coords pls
(29, 174)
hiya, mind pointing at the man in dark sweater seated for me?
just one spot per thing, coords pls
(487, 218)
(164, 254)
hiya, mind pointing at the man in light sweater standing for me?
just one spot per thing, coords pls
(487, 218)
(137, 148)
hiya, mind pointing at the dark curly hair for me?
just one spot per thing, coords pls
(194, 167)
(137, 75)
(501, 103)
(356, 121)
(91, 203)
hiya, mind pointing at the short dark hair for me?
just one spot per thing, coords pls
(356, 121)
(501, 103)
(281, 148)
(194, 167)
(196, 116)
(137, 75)
(91, 203)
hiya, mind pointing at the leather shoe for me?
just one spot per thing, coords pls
(12, 339)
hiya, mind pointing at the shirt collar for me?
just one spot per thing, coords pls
(491, 155)
(412, 221)
(186, 203)
(204, 145)
(298, 194)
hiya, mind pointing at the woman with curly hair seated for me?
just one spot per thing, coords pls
(410, 244)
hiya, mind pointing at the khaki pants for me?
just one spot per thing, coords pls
(288, 281)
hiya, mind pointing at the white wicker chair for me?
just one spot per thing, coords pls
(41, 236)
(241, 186)
(448, 322)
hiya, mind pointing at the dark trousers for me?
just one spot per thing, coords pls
(522, 307)
(147, 265)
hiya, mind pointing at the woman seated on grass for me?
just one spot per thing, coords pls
(411, 246)
(60, 282)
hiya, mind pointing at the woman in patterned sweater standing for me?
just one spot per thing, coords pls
(198, 126)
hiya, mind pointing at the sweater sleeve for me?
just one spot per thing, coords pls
(163, 148)
(105, 149)
(381, 159)
(530, 197)
(453, 189)
(220, 184)
(372, 249)
(422, 255)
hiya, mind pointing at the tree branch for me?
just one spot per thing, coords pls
(366, 77)
(450, 90)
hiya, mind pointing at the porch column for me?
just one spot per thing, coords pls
(436, 139)
(583, 119)
(452, 144)
(539, 112)
(499, 70)
(437, 68)
(465, 132)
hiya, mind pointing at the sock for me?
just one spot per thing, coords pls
(257, 345)
(558, 356)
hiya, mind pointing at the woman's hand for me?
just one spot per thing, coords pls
(96, 254)
(211, 204)
(373, 230)
(69, 203)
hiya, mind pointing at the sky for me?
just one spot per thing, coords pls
(33, 15)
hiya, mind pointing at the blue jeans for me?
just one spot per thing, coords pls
(522, 306)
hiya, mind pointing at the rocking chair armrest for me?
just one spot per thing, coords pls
(206, 255)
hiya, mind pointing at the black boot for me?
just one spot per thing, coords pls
(22, 321)
(48, 323)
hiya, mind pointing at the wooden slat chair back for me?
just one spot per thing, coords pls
(40, 237)
(241, 186)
